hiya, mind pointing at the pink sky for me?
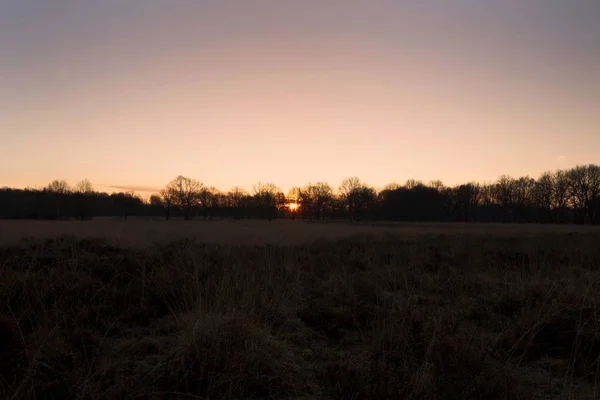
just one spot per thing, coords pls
(135, 93)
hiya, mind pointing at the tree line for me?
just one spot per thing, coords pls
(562, 196)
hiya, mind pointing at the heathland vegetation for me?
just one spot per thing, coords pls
(455, 315)
(563, 196)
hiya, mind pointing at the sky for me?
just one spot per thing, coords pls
(132, 93)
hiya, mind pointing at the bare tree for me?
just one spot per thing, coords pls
(391, 186)
(467, 200)
(595, 210)
(437, 185)
(366, 197)
(186, 192)
(219, 202)
(348, 189)
(210, 200)
(307, 201)
(59, 189)
(317, 197)
(487, 194)
(59, 186)
(236, 199)
(83, 191)
(413, 183)
(236, 195)
(83, 187)
(168, 199)
(357, 196)
(542, 195)
(504, 195)
(560, 194)
(204, 196)
(522, 189)
(266, 196)
(127, 202)
(584, 186)
(262, 187)
(280, 200)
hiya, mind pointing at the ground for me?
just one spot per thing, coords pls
(288, 309)
(143, 232)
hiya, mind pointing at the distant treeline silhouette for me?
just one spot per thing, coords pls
(563, 196)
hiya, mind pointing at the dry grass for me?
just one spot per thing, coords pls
(141, 232)
(421, 316)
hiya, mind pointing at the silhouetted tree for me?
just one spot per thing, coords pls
(349, 190)
(237, 200)
(392, 186)
(522, 189)
(211, 198)
(365, 199)
(267, 199)
(595, 210)
(504, 193)
(168, 199)
(437, 185)
(84, 187)
(58, 186)
(84, 193)
(584, 186)
(186, 192)
(59, 191)
(560, 194)
(542, 197)
(413, 183)
(467, 201)
(316, 198)
(204, 196)
(127, 203)
(418, 203)
(156, 205)
(555, 197)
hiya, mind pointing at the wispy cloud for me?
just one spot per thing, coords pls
(561, 158)
(135, 188)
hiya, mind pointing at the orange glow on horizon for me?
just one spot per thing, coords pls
(293, 207)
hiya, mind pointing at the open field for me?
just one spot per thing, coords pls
(324, 311)
(140, 233)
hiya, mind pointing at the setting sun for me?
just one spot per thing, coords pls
(293, 207)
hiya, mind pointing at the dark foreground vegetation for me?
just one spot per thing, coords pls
(562, 196)
(433, 317)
